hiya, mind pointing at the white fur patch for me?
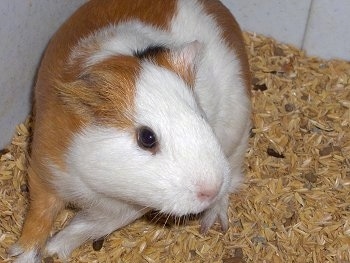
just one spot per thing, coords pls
(220, 89)
(190, 152)
(123, 39)
(190, 155)
(88, 185)
(107, 162)
(199, 132)
(91, 224)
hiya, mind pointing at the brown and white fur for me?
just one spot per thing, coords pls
(177, 67)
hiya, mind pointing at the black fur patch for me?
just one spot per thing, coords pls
(150, 51)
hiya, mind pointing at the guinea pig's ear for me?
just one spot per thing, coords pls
(79, 96)
(187, 55)
(184, 60)
(103, 92)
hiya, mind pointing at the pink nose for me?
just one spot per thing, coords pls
(207, 193)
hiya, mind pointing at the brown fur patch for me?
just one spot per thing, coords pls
(54, 127)
(97, 14)
(185, 71)
(231, 33)
(44, 207)
(104, 93)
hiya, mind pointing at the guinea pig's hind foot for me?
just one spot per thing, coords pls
(218, 211)
(22, 256)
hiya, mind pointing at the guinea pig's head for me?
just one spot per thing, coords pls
(146, 140)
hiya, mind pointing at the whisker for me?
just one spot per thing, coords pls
(156, 218)
(166, 220)
(184, 219)
(176, 221)
(143, 209)
(104, 139)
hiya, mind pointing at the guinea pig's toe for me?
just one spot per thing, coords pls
(218, 211)
(223, 222)
(56, 247)
(208, 219)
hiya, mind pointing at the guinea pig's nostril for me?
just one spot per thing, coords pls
(207, 194)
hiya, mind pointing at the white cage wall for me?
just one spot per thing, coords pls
(321, 27)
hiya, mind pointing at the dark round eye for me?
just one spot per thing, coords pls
(146, 138)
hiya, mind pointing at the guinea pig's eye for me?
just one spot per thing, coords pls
(146, 138)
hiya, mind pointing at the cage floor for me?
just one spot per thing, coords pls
(295, 203)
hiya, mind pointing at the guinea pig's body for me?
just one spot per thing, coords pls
(139, 105)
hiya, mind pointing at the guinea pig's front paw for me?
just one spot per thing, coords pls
(60, 246)
(22, 256)
(217, 211)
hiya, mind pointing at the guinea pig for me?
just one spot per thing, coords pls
(139, 105)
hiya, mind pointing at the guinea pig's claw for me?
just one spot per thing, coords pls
(210, 216)
(207, 220)
(224, 223)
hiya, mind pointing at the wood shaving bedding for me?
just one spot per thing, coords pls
(294, 205)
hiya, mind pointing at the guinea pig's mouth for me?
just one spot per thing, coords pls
(195, 206)
(168, 220)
